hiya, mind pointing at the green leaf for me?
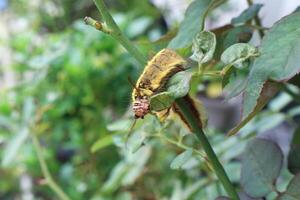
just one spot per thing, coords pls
(226, 77)
(247, 14)
(191, 24)
(14, 145)
(181, 159)
(222, 198)
(161, 101)
(239, 34)
(261, 165)
(136, 141)
(294, 153)
(138, 161)
(268, 91)
(293, 189)
(297, 9)
(204, 45)
(115, 177)
(178, 86)
(237, 54)
(119, 125)
(279, 59)
(102, 143)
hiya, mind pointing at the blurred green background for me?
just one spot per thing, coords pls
(68, 84)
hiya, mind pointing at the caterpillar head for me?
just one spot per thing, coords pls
(141, 107)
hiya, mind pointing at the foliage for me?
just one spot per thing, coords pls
(72, 92)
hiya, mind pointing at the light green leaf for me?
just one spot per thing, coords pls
(204, 45)
(136, 141)
(138, 162)
(237, 54)
(181, 159)
(161, 101)
(247, 14)
(178, 86)
(115, 177)
(119, 125)
(191, 24)
(279, 59)
(14, 145)
(261, 165)
(293, 189)
(102, 143)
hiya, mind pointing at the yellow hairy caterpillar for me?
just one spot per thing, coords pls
(157, 72)
(153, 80)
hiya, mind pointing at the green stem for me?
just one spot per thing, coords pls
(117, 34)
(257, 21)
(179, 144)
(220, 172)
(49, 180)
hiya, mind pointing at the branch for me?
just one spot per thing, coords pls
(49, 180)
(257, 21)
(117, 34)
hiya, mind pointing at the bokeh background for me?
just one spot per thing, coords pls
(68, 84)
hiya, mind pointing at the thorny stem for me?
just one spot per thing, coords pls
(49, 180)
(220, 172)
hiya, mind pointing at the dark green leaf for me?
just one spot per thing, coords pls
(293, 190)
(278, 60)
(181, 159)
(204, 45)
(230, 36)
(294, 154)
(269, 90)
(191, 24)
(297, 9)
(240, 34)
(261, 165)
(247, 14)
(237, 54)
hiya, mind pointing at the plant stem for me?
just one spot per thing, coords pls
(49, 180)
(257, 21)
(220, 172)
(117, 34)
